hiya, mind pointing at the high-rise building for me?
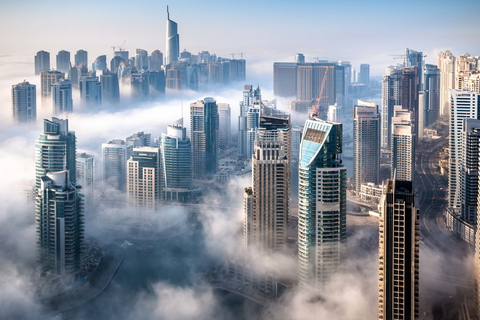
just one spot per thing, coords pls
(100, 63)
(62, 100)
(122, 54)
(42, 61)
(414, 59)
(285, 79)
(55, 150)
(429, 98)
(204, 136)
(410, 89)
(364, 76)
(110, 87)
(143, 182)
(173, 43)
(76, 73)
(90, 90)
(81, 57)
(463, 105)
(366, 144)
(176, 152)
(115, 155)
(24, 102)
(141, 60)
(140, 139)
(399, 253)
(47, 78)
(156, 81)
(299, 58)
(322, 203)
(446, 64)
(156, 60)
(403, 145)
(391, 96)
(63, 61)
(248, 120)
(465, 65)
(59, 224)
(115, 63)
(140, 85)
(173, 78)
(224, 119)
(334, 113)
(85, 167)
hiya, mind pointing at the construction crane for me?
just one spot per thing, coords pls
(233, 55)
(317, 106)
(404, 57)
(120, 48)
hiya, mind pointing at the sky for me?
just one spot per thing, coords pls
(264, 31)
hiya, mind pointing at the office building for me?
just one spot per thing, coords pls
(100, 63)
(115, 155)
(465, 65)
(334, 113)
(429, 98)
(115, 63)
(285, 79)
(391, 96)
(85, 166)
(140, 85)
(173, 80)
(399, 253)
(141, 60)
(410, 88)
(157, 82)
(81, 57)
(42, 62)
(63, 61)
(204, 124)
(156, 60)
(47, 78)
(403, 145)
(299, 58)
(59, 224)
(143, 182)
(24, 102)
(414, 59)
(176, 152)
(76, 73)
(62, 100)
(364, 76)
(366, 144)
(122, 54)
(110, 87)
(140, 139)
(224, 119)
(90, 90)
(322, 204)
(464, 104)
(248, 120)
(173, 43)
(446, 64)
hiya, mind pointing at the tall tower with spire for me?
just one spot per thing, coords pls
(173, 44)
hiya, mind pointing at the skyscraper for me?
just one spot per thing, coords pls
(85, 167)
(403, 145)
(428, 105)
(81, 57)
(391, 96)
(248, 119)
(123, 54)
(410, 88)
(204, 136)
(143, 179)
(115, 155)
(173, 43)
(90, 90)
(399, 253)
(366, 144)
(285, 79)
(364, 76)
(463, 105)
(156, 60)
(140, 85)
(115, 63)
(42, 61)
(141, 59)
(446, 64)
(62, 100)
(465, 65)
(176, 153)
(24, 102)
(224, 119)
(63, 61)
(140, 139)
(414, 59)
(76, 73)
(322, 203)
(110, 87)
(48, 78)
(156, 81)
(100, 63)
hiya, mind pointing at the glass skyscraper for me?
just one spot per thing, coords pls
(173, 44)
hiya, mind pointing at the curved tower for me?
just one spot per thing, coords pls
(173, 44)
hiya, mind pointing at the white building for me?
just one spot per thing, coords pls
(115, 155)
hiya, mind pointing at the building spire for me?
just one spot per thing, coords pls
(168, 14)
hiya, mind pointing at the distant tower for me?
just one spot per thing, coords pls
(85, 166)
(173, 44)
(446, 64)
(157, 82)
(204, 136)
(115, 155)
(224, 116)
(322, 204)
(410, 89)
(366, 144)
(24, 102)
(299, 58)
(48, 78)
(90, 90)
(140, 139)
(110, 87)
(81, 57)
(364, 76)
(403, 145)
(391, 96)
(122, 54)
(156, 60)
(248, 120)
(176, 152)
(115, 63)
(42, 62)
(140, 85)
(429, 98)
(63, 61)
(141, 60)
(100, 63)
(399, 253)
(143, 179)
(62, 97)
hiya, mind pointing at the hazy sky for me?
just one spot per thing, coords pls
(265, 31)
